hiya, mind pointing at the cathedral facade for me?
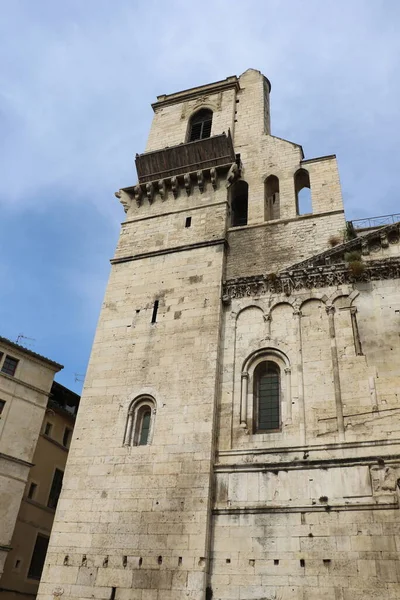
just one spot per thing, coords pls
(239, 429)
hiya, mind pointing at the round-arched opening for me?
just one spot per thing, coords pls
(303, 192)
(200, 125)
(272, 207)
(266, 397)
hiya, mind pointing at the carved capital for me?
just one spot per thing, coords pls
(330, 309)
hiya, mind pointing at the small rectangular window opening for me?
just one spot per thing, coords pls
(188, 221)
(9, 365)
(48, 428)
(2, 405)
(32, 490)
(155, 309)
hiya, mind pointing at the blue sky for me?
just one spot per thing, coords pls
(76, 81)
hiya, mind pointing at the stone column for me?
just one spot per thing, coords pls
(243, 399)
(300, 379)
(335, 369)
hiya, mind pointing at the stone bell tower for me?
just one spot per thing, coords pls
(220, 280)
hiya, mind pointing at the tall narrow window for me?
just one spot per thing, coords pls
(272, 207)
(144, 428)
(9, 365)
(140, 423)
(200, 125)
(67, 437)
(239, 203)
(38, 557)
(2, 405)
(55, 490)
(303, 192)
(267, 397)
(155, 310)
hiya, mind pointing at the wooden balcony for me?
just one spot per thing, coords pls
(185, 158)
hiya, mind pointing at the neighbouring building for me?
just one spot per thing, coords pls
(239, 431)
(36, 422)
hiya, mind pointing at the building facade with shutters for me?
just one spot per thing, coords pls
(239, 431)
(37, 417)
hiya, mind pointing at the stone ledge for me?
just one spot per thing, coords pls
(392, 504)
(300, 465)
(184, 248)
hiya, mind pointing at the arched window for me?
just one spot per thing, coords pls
(266, 397)
(140, 422)
(239, 203)
(272, 208)
(200, 125)
(303, 192)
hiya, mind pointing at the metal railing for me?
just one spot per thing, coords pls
(375, 221)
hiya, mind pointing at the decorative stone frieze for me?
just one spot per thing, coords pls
(309, 278)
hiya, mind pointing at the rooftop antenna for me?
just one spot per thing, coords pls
(21, 336)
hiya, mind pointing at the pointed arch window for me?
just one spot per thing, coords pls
(266, 396)
(200, 125)
(140, 422)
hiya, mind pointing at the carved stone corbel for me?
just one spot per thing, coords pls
(124, 198)
(150, 192)
(233, 174)
(188, 183)
(138, 194)
(162, 189)
(214, 178)
(200, 181)
(174, 186)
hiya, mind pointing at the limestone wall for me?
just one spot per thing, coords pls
(313, 508)
(139, 514)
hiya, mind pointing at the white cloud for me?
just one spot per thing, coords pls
(76, 89)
